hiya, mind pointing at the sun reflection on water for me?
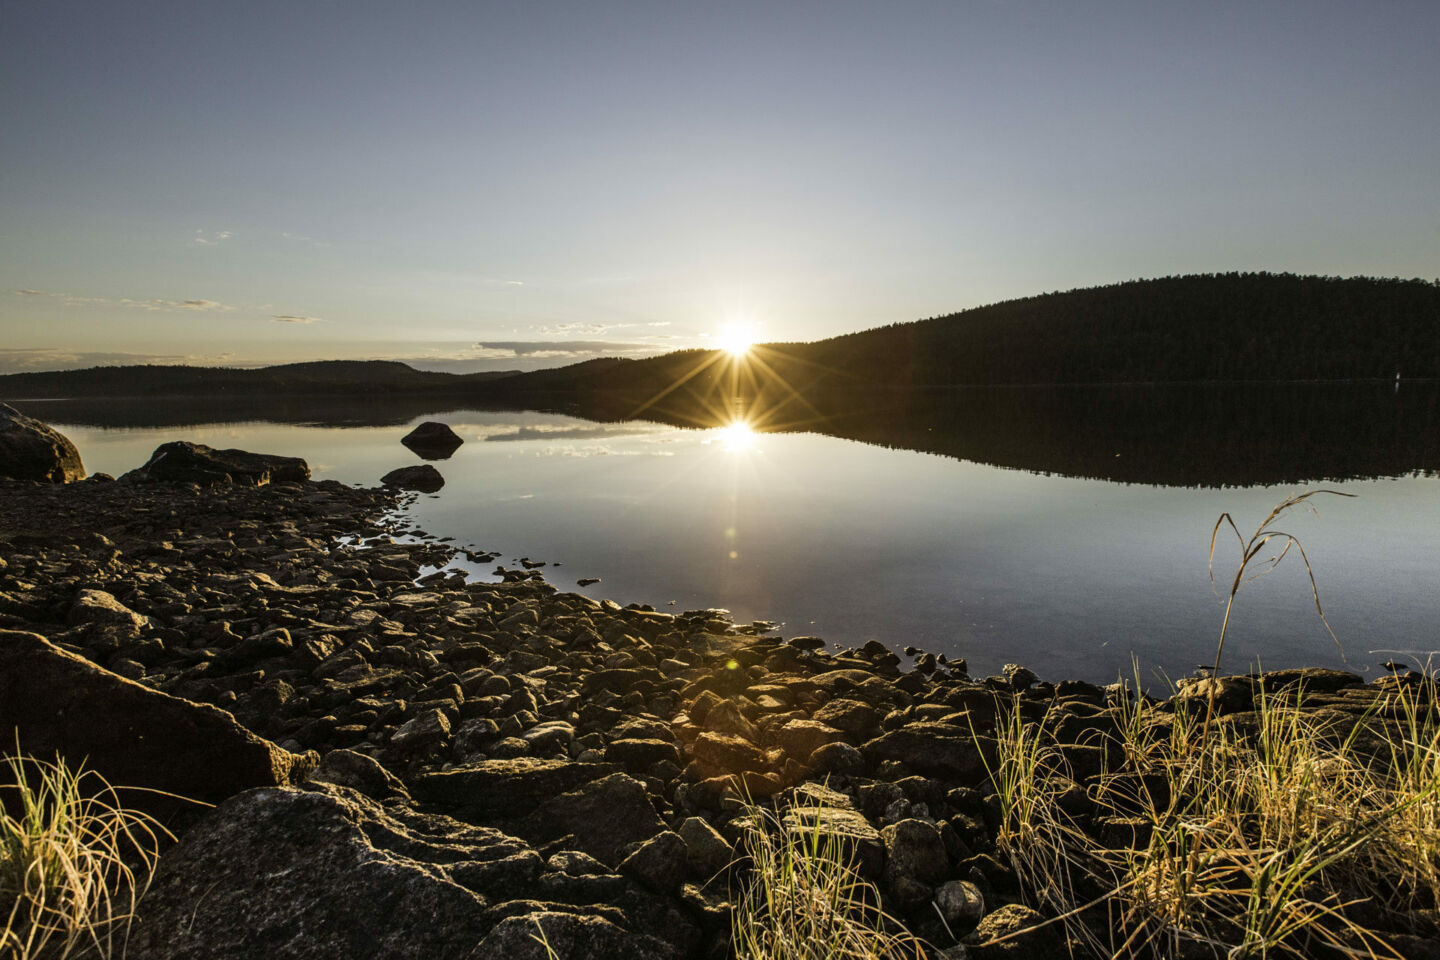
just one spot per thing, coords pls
(737, 437)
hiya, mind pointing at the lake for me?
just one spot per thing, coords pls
(1066, 531)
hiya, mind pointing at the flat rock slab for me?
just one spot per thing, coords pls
(186, 462)
(326, 874)
(506, 788)
(60, 703)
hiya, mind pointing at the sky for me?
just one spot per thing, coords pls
(487, 185)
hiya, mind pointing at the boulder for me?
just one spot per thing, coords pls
(554, 935)
(432, 440)
(60, 703)
(961, 905)
(1231, 694)
(706, 851)
(851, 716)
(914, 852)
(659, 862)
(1014, 932)
(181, 461)
(101, 608)
(607, 818)
(819, 810)
(801, 738)
(360, 772)
(505, 788)
(937, 750)
(423, 478)
(31, 451)
(327, 874)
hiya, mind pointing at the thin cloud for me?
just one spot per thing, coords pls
(550, 349)
(153, 303)
(291, 318)
(592, 329)
(301, 238)
(210, 239)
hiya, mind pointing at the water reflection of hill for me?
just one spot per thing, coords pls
(1170, 435)
(301, 410)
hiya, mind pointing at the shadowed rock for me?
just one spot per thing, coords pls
(553, 935)
(327, 874)
(185, 462)
(32, 451)
(607, 818)
(423, 477)
(60, 703)
(432, 440)
(504, 788)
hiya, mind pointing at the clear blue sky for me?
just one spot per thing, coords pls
(512, 184)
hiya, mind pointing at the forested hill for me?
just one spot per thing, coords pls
(1202, 328)
(321, 377)
(1206, 327)
(1234, 326)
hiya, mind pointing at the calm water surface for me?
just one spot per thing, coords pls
(852, 541)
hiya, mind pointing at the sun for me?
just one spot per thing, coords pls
(735, 340)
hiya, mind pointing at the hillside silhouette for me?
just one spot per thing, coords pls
(1188, 329)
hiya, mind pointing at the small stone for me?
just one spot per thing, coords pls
(961, 904)
(425, 731)
(707, 851)
(659, 862)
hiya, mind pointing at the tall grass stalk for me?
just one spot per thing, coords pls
(1266, 537)
(804, 899)
(74, 861)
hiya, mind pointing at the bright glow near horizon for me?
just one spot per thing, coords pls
(735, 339)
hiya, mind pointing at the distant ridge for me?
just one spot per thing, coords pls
(315, 377)
(1197, 328)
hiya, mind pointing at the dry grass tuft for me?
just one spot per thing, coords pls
(73, 862)
(804, 899)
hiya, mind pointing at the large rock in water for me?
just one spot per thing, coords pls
(186, 462)
(31, 451)
(423, 478)
(330, 874)
(432, 440)
(60, 703)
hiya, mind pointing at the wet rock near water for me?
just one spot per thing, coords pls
(422, 478)
(433, 441)
(33, 452)
(184, 462)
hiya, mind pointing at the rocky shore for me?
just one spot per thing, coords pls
(406, 763)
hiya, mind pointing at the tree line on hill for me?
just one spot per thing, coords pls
(1197, 328)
